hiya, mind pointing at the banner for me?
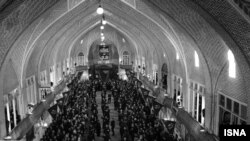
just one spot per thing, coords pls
(53, 111)
(61, 102)
(145, 92)
(170, 125)
(139, 83)
(104, 52)
(157, 107)
(149, 100)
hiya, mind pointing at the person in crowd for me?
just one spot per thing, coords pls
(113, 126)
(109, 98)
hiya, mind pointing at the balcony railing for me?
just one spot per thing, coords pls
(126, 67)
(27, 123)
(193, 127)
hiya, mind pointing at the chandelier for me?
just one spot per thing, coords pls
(100, 11)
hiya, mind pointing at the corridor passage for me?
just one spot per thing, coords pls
(113, 114)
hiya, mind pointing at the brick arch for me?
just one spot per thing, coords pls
(141, 33)
(125, 53)
(55, 51)
(80, 54)
(94, 35)
(214, 36)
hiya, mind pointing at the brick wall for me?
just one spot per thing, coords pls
(16, 22)
(212, 45)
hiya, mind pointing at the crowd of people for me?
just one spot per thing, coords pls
(78, 118)
(137, 116)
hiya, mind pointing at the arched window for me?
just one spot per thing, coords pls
(43, 78)
(52, 74)
(155, 74)
(80, 59)
(58, 73)
(196, 59)
(232, 65)
(31, 90)
(177, 56)
(125, 58)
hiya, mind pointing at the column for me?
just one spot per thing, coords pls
(197, 105)
(19, 105)
(181, 93)
(8, 115)
(14, 110)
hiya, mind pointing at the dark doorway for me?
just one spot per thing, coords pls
(164, 71)
(104, 72)
(103, 60)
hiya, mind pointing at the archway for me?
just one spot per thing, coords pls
(103, 60)
(125, 58)
(81, 61)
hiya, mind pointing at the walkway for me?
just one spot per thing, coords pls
(113, 114)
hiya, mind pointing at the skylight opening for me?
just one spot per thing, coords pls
(196, 59)
(232, 65)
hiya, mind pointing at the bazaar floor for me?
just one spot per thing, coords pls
(113, 114)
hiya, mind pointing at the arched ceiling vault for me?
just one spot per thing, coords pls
(110, 32)
(140, 32)
(76, 40)
(57, 42)
(157, 42)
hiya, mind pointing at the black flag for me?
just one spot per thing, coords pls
(151, 99)
(145, 92)
(139, 83)
(170, 126)
(53, 111)
(60, 102)
(157, 107)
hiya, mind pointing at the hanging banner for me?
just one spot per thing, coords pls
(61, 102)
(170, 125)
(53, 111)
(145, 92)
(104, 52)
(157, 107)
(139, 83)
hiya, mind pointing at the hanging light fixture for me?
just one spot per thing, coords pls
(102, 27)
(102, 34)
(99, 10)
(102, 38)
(103, 20)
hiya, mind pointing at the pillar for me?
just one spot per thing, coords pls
(8, 115)
(14, 110)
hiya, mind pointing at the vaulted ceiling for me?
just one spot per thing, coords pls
(155, 29)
